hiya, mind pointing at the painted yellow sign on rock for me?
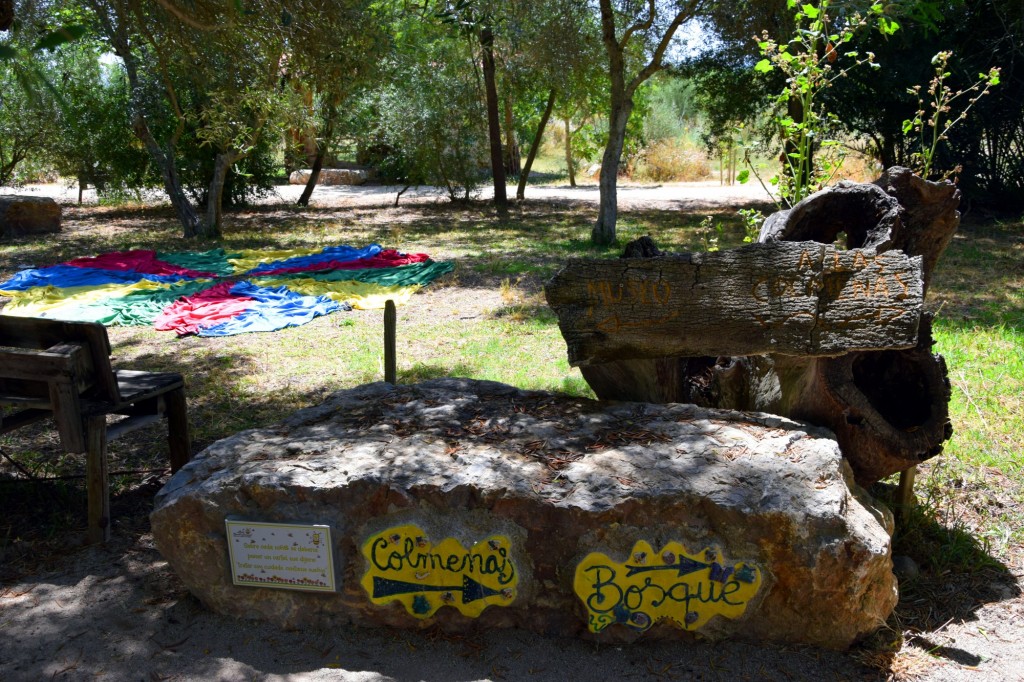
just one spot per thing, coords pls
(405, 566)
(686, 588)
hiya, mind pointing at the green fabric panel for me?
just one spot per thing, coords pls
(214, 260)
(137, 308)
(405, 275)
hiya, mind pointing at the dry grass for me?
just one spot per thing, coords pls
(673, 161)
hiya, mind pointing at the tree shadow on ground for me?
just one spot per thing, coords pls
(946, 575)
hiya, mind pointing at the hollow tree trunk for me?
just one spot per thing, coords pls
(889, 409)
(525, 175)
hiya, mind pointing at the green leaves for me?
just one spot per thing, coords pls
(763, 66)
(61, 36)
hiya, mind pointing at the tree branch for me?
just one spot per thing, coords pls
(644, 25)
(655, 64)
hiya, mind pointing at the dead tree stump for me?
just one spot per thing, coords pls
(888, 406)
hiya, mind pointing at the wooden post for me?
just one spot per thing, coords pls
(96, 482)
(390, 332)
(178, 435)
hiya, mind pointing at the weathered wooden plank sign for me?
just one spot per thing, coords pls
(793, 298)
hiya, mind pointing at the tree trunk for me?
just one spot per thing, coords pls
(607, 212)
(570, 165)
(525, 175)
(165, 161)
(889, 409)
(314, 177)
(512, 155)
(493, 125)
(318, 160)
(215, 196)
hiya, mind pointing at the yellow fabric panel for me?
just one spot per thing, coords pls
(250, 258)
(50, 300)
(361, 295)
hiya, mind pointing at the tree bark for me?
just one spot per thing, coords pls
(888, 408)
(493, 124)
(608, 209)
(214, 198)
(512, 155)
(163, 158)
(187, 216)
(525, 175)
(318, 160)
(569, 163)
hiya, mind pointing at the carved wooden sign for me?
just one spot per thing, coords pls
(793, 298)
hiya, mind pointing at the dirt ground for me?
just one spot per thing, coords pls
(117, 612)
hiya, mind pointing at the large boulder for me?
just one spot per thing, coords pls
(331, 176)
(468, 504)
(21, 215)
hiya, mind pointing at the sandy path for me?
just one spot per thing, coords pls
(667, 195)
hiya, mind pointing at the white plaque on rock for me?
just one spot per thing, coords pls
(285, 555)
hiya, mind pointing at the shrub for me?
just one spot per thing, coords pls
(673, 160)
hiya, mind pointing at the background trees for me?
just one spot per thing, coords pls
(635, 40)
(209, 99)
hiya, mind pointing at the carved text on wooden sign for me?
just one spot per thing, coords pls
(796, 298)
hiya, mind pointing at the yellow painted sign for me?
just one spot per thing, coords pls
(686, 588)
(405, 566)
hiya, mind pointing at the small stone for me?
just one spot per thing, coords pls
(904, 567)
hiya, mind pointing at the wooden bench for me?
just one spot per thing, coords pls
(50, 368)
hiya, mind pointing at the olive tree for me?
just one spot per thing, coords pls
(636, 38)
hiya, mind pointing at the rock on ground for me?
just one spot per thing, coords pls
(331, 176)
(471, 505)
(20, 215)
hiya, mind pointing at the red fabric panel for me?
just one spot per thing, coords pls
(388, 258)
(207, 308)
(139, 260)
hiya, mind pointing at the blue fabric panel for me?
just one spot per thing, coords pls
(327, 255)
(69, 276)
(272, 309)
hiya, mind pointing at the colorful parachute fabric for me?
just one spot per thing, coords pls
(219, 293)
